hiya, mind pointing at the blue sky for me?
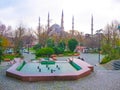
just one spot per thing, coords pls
(7, 3)
(13, 12)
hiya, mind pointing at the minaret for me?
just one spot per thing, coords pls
(92, 25)
(72, 25)
(39, 29)
(39, 25)
(48, 25)
(62, 21)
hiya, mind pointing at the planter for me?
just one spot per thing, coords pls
(6, 59)
(76, 54)
(53, 55)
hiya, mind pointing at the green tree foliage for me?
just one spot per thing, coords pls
(50, 43)
(61, 44)
(37, 46)
(4, 43)
(58, 50)
(47, 51)
(72, 43)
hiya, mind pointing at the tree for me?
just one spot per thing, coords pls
(58, 50)
(50, 43)
(110, 37)
(111, 42)
(1, 50)
(72, 43)
(42, 35)
(5, 42)
(17, 38)
(28, 39)
(4, 30)
(61, 44)
(37, 47)
(79, 38)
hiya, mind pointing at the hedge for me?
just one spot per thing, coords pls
(48, 62)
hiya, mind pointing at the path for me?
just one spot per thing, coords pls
(89, 58)
(28, 57)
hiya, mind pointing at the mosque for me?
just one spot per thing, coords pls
(59, 29)
(55, 28)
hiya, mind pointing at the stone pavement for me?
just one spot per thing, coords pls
(100, 79)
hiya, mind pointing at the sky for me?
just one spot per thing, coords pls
(13, 12)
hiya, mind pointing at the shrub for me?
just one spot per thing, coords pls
(106, 59)
(68, 53)
(10, 56)
(44, 52)
(58, 50)
(112, 55)
(48, 62)
(72, 43)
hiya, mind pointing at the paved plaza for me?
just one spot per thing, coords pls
(100, 79)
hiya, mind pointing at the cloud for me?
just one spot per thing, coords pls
(28, 11)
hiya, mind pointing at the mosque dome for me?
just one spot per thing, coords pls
(55, 29)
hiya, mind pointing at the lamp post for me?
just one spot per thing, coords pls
(98, 31)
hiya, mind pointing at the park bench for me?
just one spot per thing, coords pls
(116, 65)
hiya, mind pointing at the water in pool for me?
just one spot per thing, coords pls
(60, 67)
